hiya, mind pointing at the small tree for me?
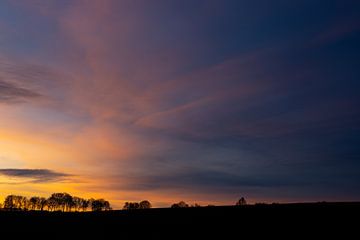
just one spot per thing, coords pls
(180, 204)
(241, 202)
(131, 205)
(144, 204)
(100, 205)
(106, 206)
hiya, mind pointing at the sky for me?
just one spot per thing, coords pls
(204, 101)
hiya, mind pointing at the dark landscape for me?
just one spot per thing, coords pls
(224, 222)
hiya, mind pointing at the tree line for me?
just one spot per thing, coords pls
(56, 202)
(66, 203)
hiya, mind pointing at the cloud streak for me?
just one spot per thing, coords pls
(13, 93)
(34, 175)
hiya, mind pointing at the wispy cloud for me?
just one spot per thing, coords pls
(33, 175)
(25, 81)
(13, 93)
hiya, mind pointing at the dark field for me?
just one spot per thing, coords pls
(228, 222)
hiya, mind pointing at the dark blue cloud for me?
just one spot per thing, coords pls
(34, 175)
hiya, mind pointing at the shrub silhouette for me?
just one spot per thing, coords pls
(180, 204)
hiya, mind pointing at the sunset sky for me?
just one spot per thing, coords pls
(167, 100)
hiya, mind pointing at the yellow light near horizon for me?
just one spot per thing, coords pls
(29, 151)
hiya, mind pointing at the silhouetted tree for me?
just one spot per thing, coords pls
(57, 201)
(126, 206)
(61, 201)
(96, 205)
(144, 204)
(9, 202)
(131, 205)
(80, 203)
(77, 203)
(68, 202)
(241, 202)
(180, 204)
(107, 206)
(51, 204)
(24, 203)
(91, 200)
(42, 203)
(17, 202)
(100, 205)
(34, 203)
(84, 204)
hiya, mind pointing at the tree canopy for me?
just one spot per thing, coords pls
(56, 202)
(145, 204)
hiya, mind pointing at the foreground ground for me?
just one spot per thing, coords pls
(220, 222)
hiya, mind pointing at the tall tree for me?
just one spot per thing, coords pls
(34, 203)
(42, 203)
(84, 204)
(9, 202)
(77, 203)
(100, 205)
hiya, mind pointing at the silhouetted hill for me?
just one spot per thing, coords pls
(225, 222)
